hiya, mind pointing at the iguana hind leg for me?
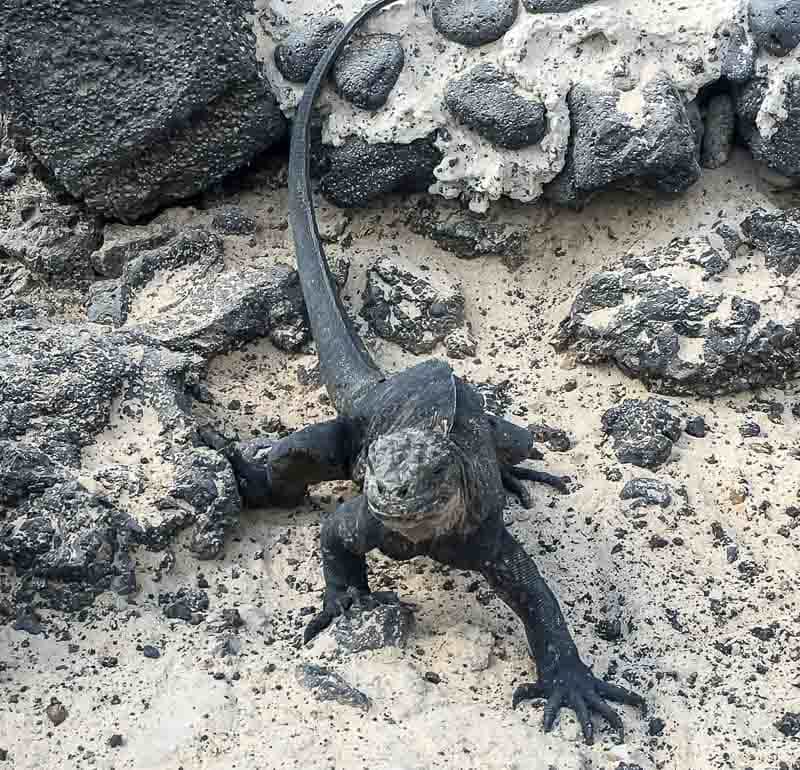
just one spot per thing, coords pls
(513, 445)
(279, 472)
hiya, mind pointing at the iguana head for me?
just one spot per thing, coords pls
(414, 483)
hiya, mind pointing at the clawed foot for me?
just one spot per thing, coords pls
(514, 475)
(337, 604)
(574, 686)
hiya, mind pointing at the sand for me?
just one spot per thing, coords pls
(687, 612)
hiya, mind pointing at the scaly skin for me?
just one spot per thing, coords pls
(433, 467)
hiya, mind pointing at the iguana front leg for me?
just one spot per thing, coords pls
(279, 472)
(563, 677)
(347, 536)
(514, 445)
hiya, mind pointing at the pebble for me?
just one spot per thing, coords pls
(298, 53)
(432, 677)
(553, 6)
(697, 427)
(367, 70)
(151, 652)
(750, 430)
(115, 741)
(56, 712)
(473, 22)
(647, 490)
(485, 100)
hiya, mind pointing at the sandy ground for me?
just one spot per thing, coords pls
(687, 611)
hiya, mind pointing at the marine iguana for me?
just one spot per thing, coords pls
(432, 466)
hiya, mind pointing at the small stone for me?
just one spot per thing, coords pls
(763, 633)
(328, 685)
(789, 724)
(151, 652)
(3, 755)
(657, 541)
(115, 741)
(609, 630)
(231, 220)
(697, 427)
(432, 677)
(777, 234)
(554, 6)
(750, 430)
(298, 53)
(387, 625)
(656, 726)
(473, 22)
(367, 70)
(649, 491)
(775, 25)
(555, 438)
(486, 101)
(56, 712)
(643, 431)
(108, 661)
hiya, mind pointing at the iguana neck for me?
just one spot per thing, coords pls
(345, 365)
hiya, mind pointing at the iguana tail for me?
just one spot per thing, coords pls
(345, 365)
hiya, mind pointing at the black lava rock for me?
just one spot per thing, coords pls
(357, 171)
(151, 652)
(777, 234)
(328, 685)
(656, 726)
(648, 491)
(737, 53)
(469, 235)
(643, 431)
(387, 625)
(667, 333)
(366, 71)
(415, 308)
(554, 6)
(485, 100)
(231, 220)
(298, 53)
(720, 126)
(696, 427)
(189, 604)
(115, 741)
(780, 150)
(655, 151)
(473, 22)
(750, 430)
(555, 438)
(775, 25)
(789, 724)
(188, 105)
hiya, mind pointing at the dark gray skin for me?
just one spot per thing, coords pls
(433, 468)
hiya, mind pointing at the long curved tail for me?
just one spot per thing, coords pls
(345, 365)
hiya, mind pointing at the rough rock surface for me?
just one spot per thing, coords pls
(67, 546)
(388, 625)
(328, 685)
(647, 491)
(662, 320)
(486, 101)
(357, 171)
(469, 235)
(367, 70)
(777, 235)
(651, 145)
(546, 52)
(187, 106)
(643, 431)
(181, 295)
(53, 240)
(768, 113)
(299, 51)
(775, 25)
(415, 308)
(473, 22)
